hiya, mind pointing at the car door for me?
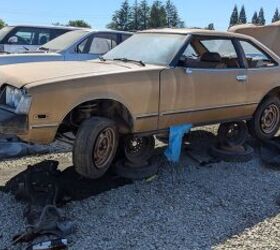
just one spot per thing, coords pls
(207, 85)
(94, 46)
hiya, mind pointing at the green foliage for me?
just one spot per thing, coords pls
(122, 18)
(78, 23)
(2, 24)
(210, 26)
(276, 16)
(255, 18)
(144, 15)
(172, 15)
(261, 18)
(234, 19)
(242, 16)
(158, 16)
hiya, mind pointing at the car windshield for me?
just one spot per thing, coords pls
(4, 31)
(151, 48)
(64, 41)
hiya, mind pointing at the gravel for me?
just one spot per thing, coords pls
(222, 206)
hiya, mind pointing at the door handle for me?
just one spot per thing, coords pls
(242, 78)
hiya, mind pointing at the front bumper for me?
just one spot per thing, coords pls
(13, 124)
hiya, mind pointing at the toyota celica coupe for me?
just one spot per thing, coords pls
(150, 82)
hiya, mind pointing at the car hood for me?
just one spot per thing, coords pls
(29, 57)
(19, 75)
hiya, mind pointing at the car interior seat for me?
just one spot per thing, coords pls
(43, 40)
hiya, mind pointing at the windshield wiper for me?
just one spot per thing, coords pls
(44, 49)
(101, 58)
(130, 60)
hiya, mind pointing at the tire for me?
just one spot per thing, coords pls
(231, 156)
(232, 133)
(95, 147)
(138, 149)
(135, 173)
(260, 126)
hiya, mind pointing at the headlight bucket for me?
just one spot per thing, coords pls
(17, 99)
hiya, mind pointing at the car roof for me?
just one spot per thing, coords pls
(195, 32)
(45, 26)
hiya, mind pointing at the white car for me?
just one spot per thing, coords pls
(78, 45)
(17, 39)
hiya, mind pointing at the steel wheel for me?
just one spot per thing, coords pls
(103, 147)
(270, 119)
(139, 149)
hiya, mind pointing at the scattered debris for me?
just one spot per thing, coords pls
(58, 244)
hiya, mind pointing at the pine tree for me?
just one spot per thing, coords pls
(135, 16)
(234, 17)
(255, 18)
(242, 16)
(261, 18)
(276, 16)
(210, 26)
(144, 15)
(173, 19)
(122, 19)
(158, 17)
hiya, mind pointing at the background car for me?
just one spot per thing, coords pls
(16, 39)
(78, 45)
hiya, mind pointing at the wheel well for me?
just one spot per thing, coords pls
(102, 108)
(273, 92)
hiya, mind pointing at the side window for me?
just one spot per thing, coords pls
(57, 32)
(82, 47)
(211, 54)
(102, 44)
(23, 36)
(255, 57)
(44, 37)
(124, 37)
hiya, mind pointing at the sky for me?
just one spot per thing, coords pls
(198, 13)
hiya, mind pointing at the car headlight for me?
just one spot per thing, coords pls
(17, 99)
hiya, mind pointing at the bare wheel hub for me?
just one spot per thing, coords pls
(103, 148)
(136, 144)
(270, 119)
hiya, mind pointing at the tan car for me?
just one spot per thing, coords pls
(153, 80)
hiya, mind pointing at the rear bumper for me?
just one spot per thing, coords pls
(13, 124)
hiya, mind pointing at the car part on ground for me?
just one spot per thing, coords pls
(266, 120)
(270, 152)
(39, 187)
(138, 150)
(231, 145)
(127, 170)
(233, 154)
(232, 133)
(57, 244)
(95, 147)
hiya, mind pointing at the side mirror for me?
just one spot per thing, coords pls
(13, 40)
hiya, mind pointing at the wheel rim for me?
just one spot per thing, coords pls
(233, 133)
(103, 148)
(136, 145)
(270, 119)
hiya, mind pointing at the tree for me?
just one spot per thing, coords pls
(234, 17)
(2, 24)
(158, 16)
(135, 25)
(122, 18)
(255, 18)
(242, 16)
(210, 26)
(144, 15)
(173, 19)
(261, 18)
(78, 23)
(276, 16)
